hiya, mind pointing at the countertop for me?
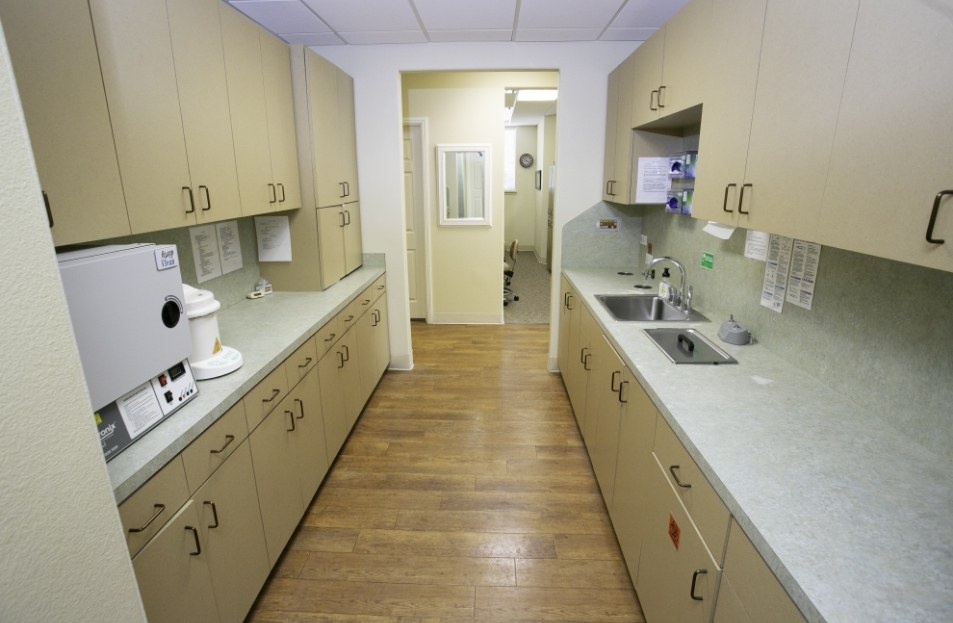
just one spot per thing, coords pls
(265, 331)
(854, 519)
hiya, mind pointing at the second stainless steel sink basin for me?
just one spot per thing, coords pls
(644, 308)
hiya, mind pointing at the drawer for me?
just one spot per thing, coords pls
(300, 362)
(153, 504)
(209, 451)
(350, 314)
(265, 396)
(705, 506)
(327, 335)
(376, 289)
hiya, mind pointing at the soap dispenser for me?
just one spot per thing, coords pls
(665, 285)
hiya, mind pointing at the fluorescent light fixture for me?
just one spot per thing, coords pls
(537, 95)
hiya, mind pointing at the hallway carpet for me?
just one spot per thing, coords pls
(463, 494)
(532, 282)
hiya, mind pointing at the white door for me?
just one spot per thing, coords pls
(414, 217)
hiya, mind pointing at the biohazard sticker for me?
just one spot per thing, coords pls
(674, 532)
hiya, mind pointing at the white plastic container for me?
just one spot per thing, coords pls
(209, 359)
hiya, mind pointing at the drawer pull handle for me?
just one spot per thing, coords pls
(349, 318)
(381, 287)
(671, 470)
(724, 203)
(936, 208)
(198, 546)
(291, 416)
(365, 302)
(228, 439)
(274, 394)
(159, 508)
(330, 338)
(300, 404)
(214, 513)
(695, 575)
(307, 362)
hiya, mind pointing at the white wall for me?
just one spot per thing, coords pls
(583, 71)
(64, 557)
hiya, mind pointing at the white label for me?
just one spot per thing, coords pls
(166, 258)
(139, 410)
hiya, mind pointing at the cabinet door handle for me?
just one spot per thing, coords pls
(49, 212)
(274, 394)
(930, 238)
(191, 209)
(214, 514)
(291, 416)
(198, 546)
(569, 302)
(695, 575)
(340, 359)
(343, 224)
(585, 362)
(612, 381)
(671, 470)
(582, 355)
(621, 386)
(724, 203)
(347, 217)
(274, 194)
(343, 190)
(347, 352)
(158, 508)
(661, 92)
(307, 362)
(281, 187)
(652, 97)
(208, 198)
(300, 404)
(228, 439)
(741, 198)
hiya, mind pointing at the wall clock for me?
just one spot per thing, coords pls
(526, 161)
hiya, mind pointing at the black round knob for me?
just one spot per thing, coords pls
(171, 313)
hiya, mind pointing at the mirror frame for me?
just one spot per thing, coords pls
(481, 221)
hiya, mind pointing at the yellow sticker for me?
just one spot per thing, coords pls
(217, 347)
(99, 419)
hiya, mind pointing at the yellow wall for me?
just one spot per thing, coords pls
(521, 205)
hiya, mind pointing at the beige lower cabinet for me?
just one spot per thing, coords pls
(604, 404)
(310, 444)
(634, 467)
(331, 376)
(173, 572)
(568, 301)
(677, 574)
(749, 591)
(232, 535)
(576, 377)
(373, 346)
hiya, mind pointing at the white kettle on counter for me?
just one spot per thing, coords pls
(210, 359)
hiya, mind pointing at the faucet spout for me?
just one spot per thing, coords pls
(679, 294)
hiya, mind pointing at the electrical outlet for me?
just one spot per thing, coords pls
(643, 240)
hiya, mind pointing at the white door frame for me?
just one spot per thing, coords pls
(421, 160)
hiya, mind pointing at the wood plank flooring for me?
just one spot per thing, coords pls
(463, 494)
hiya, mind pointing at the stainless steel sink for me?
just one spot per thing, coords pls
(688, 346)
(644, 308)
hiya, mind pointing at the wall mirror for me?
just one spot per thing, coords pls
(463, 184)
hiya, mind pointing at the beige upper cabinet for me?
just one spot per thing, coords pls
(276, 67)
(135, 53)
(54, 56)
(203, 96)
(617, 179)
(893, 150)
(647, 78)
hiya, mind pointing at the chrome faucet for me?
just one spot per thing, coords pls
(679, 298)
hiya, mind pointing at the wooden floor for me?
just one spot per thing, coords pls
(463, 494)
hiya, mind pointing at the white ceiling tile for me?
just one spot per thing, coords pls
(441, 36)
(561, 14)
(557, 34)
(627, 34)
(313, 38)
(280, 16)
(368, 37)
(647, 13)
(467, 14)
(366, 15)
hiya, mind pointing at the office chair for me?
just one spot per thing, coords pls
(508, 267)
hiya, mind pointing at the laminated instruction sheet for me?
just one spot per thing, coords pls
(776, 270)
(790, 273)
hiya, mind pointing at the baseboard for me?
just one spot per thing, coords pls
(466, 318)
(401, 362)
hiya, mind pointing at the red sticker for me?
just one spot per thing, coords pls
(674, 532)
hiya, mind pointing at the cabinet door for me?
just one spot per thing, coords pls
(173, 575)
(735, 48)
(381, 338)
(795, 114)
(246, 100)
(276, 66)
(366, 346)
(276, 476)
(677, 576)
(892, 152)
(579, 365)
(310, 444)
(135, 53)
(648, 58)
(622, 189)
(54, 56)
(347, 138)
(612, 113)
(351, 379)
(144, 512)
(566, 298)
(233, 536)
(633, 470)
(684, 58)
(353, 246)
(333, 406)
(325, 130)
(331, 225)
(604, 410)
(203, 97)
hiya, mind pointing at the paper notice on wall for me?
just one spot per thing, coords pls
(229, 246)
(804, 260)
(776, 269)
(653, 180)
(756, 245)
(208, 262)
(274, 238)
